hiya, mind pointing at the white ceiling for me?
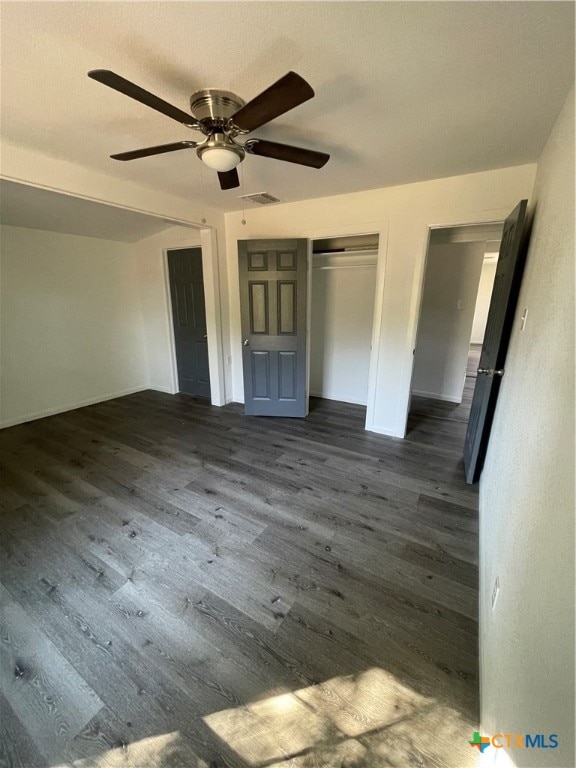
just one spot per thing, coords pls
(405, 91)
(34, 208)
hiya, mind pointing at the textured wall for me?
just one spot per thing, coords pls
(71, 325)
(527, 487)
(448, 302)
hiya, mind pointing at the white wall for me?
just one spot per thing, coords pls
(341, 326)
(448, 302)
(527, 487)
(71, 323)
(483, 300)
(402, 216)
(37, 169)
(100, 324)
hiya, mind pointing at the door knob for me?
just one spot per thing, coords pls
(205, 335)
(491, 371)
(245, 343)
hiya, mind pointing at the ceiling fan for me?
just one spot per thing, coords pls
(222, 117)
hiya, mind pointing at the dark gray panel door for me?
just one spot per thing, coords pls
(273, 285)
(496, 339)
(189, 318)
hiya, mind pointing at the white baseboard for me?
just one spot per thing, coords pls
(383, 431)
(167, 390)
(339, 399)
(436, 396)
(170, 391)
(71, 407)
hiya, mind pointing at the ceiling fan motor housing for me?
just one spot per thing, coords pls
(214, 107)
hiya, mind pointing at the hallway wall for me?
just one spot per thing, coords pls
(448, 302)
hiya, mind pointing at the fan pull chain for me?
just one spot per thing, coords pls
(243, 193)
(202, 193)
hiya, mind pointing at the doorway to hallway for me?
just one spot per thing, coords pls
(189, 320)
(460, 269)
(442, 423)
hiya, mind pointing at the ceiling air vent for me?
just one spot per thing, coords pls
(260, 198)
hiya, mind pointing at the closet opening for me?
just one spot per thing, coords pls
(342, 294)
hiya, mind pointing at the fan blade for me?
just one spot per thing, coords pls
(112, 80)
(287, 153)
(159, 150)
(287, 93)
(229, 180)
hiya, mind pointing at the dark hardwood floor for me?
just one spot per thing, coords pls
(435, 422)
(185, 586)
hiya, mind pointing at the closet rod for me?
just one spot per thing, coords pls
(368, 252)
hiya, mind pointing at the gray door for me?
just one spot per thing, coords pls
(496, 338)
(273, 285)
(189, 318)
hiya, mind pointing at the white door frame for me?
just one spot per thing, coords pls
(346, 231)
(211, 279)
(493, 217)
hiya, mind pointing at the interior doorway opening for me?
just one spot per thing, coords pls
(342, 295)
(459, 277)
(186, 282)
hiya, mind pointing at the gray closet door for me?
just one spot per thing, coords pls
(189, 318)
(273, 285)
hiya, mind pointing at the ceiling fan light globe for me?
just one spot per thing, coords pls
(220, 159)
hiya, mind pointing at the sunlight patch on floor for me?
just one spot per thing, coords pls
(369, 719)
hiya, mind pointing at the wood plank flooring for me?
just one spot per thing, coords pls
(182, 585)
(433, 421)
